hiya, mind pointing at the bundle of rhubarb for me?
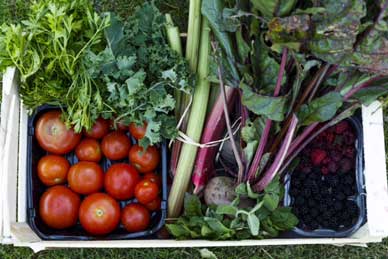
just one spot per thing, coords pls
(271, 77)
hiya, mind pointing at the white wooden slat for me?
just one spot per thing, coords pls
(22, 168)
(10, 168)
(9, 90)
(37, 246)
(375, 169)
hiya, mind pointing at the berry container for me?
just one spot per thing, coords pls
(35, 190)
(358, 198)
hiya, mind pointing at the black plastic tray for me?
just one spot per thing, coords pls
(358, 198)
(35, 190)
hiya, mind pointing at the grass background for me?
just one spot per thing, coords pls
(14, 10)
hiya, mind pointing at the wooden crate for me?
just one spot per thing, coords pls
(14, 229)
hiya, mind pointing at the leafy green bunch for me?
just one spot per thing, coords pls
(49, 49)
(140, 72)
(236, 220)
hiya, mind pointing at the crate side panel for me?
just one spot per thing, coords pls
(9, 101)
(375, 169)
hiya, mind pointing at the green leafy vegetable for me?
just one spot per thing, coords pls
(49, 49)
(271, 107)
(228, 222)
(320, 109)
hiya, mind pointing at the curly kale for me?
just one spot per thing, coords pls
(141, 72)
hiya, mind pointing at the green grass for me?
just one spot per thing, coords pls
(13, 10)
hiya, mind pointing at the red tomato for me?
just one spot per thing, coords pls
(53, 136)
(153, 177)
(115, 145)
(120, 181)
(146, 191)
(86, 177)
(99, 129)
(53, 170)
(89, 150)
(58, 207)
(138, 131)
(99, 214)
(135, 217)
(144, 161)
(154, 205)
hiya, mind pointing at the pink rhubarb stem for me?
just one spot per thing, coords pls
(214, 130)
(270, 174)
(264, 136)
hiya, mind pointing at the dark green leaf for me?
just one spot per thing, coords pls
(368, 95)
(212, 10)
(283, 219)
(320, 109)
(271, 107)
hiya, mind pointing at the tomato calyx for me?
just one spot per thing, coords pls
(100, 212)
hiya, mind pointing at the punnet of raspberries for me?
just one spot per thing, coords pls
(323, 184)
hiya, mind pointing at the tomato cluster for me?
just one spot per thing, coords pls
(83, 191)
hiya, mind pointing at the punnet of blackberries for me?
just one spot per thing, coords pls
(323, 184)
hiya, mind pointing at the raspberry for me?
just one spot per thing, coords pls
(332, 167)
(349, 138)
(336, 156)
(330, 137)
(317, 156)
(349, 152)
(306, 169)
(325, 171)
(341, 127)
(346, 165)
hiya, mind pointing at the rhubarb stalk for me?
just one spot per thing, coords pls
(194, 128)
(264, 136)
(214, 130)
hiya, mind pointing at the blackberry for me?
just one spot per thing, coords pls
(296, 183)
(348, 191)
(325, 223)
(307, 192)
(352, 209)
(311, 203)
(314, 212)
(348, 180)
(333, 223)
(318, 197)
(299, 201)
(340, 196)
(304, 211)
(294, 192)
(314, 225)
(308, 220)
(333, 180)
(337, 206)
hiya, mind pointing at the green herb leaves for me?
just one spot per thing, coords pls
(49, 50)
(236, 220)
